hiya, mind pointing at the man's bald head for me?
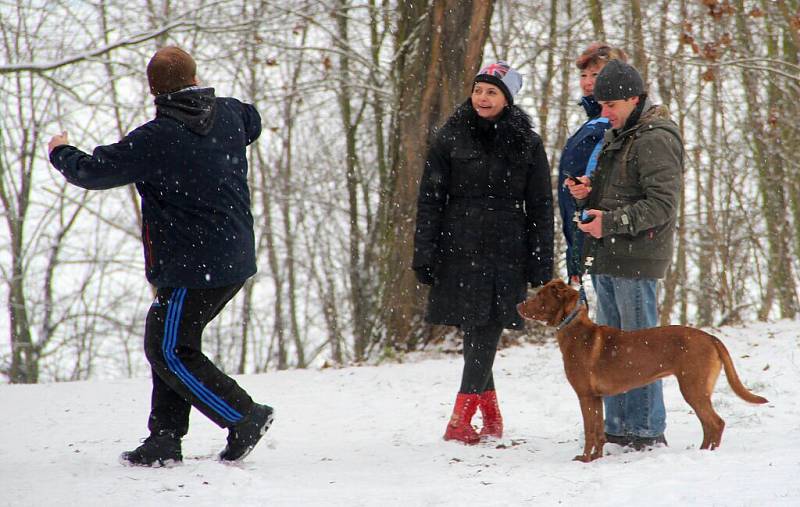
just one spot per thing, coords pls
(170, 70)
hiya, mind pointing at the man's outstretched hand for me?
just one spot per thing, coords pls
(56, 141)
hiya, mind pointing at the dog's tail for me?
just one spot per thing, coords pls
(733, 377)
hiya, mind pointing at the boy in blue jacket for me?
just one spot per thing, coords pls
(189, 166)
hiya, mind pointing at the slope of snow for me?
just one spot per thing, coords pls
(372, 436)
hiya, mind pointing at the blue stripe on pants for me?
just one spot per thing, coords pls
(171, 326)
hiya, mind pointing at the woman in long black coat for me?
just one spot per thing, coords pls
(484, 231)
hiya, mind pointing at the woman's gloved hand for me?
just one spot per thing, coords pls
(425, 275)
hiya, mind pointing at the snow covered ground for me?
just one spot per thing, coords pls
(372, 436)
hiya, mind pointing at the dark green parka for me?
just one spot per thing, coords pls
(637, 185)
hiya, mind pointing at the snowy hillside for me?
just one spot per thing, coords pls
(372, 436)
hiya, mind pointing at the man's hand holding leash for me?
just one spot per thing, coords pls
(592, 223)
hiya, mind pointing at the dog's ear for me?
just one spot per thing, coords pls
(554, 288)
(565, 297)
(565, 291)
(558, 289)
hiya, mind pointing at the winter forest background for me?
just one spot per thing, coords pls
(348, 92)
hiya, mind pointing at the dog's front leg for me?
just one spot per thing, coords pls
(594, 438)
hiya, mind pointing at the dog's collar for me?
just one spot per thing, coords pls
(569, 318)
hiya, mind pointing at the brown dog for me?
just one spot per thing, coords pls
(601, 361)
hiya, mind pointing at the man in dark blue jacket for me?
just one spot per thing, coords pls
(190, 168)
(579, 157)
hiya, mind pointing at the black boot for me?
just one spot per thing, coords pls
(644, 443)
(157, 450)
(622, 440)
(245, 435)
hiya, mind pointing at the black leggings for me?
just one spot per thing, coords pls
(480, 347)
(182, 375)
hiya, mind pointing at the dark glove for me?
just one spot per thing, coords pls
(425, 275)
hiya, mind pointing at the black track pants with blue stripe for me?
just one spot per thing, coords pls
(182, 375)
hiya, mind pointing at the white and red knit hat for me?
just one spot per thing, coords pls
(502, 76)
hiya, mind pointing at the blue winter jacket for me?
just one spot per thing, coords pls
(579, 158)
(190, 168)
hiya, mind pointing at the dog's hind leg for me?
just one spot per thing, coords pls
(594, 438)
(697, 390)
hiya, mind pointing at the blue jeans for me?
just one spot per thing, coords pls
(629, 304)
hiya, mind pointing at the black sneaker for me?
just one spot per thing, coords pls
(245, 435)
(157, 450)
(644, 443)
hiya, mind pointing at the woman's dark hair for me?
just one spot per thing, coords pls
(599, 52)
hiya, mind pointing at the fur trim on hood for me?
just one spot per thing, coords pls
(511, 134)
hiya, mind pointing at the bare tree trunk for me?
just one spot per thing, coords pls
(331, 314)
(246, 316)
(356, 237)
(547, 82)
(565, 102)
(665, 72)
(791, 27)
(596, 15)
(275, 267)
(378, 31)
(15, 192)
(774, 189)
(286, 212)
(672, 91)
(770, 182)
(639, 54)
(704, 300)
(24, 366)
(439, 51)
(121, 130)
(723, 219)
(790, 134)
(682, 258)
(713, 283)
(157, 18)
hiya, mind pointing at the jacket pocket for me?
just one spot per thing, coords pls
(466, 172)
(655, 244)
(511, 240)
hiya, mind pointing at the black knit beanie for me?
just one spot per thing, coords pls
(618, 81)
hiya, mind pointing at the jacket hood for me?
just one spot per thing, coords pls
(194, 107)
(658, 117)
(655, 113)
(652, 116)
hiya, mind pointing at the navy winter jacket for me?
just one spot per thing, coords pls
(579, 158)
(190, 168)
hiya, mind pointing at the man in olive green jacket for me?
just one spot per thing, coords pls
(631, 205)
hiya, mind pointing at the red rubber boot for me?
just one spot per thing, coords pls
(492, 420)
(460, 426)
